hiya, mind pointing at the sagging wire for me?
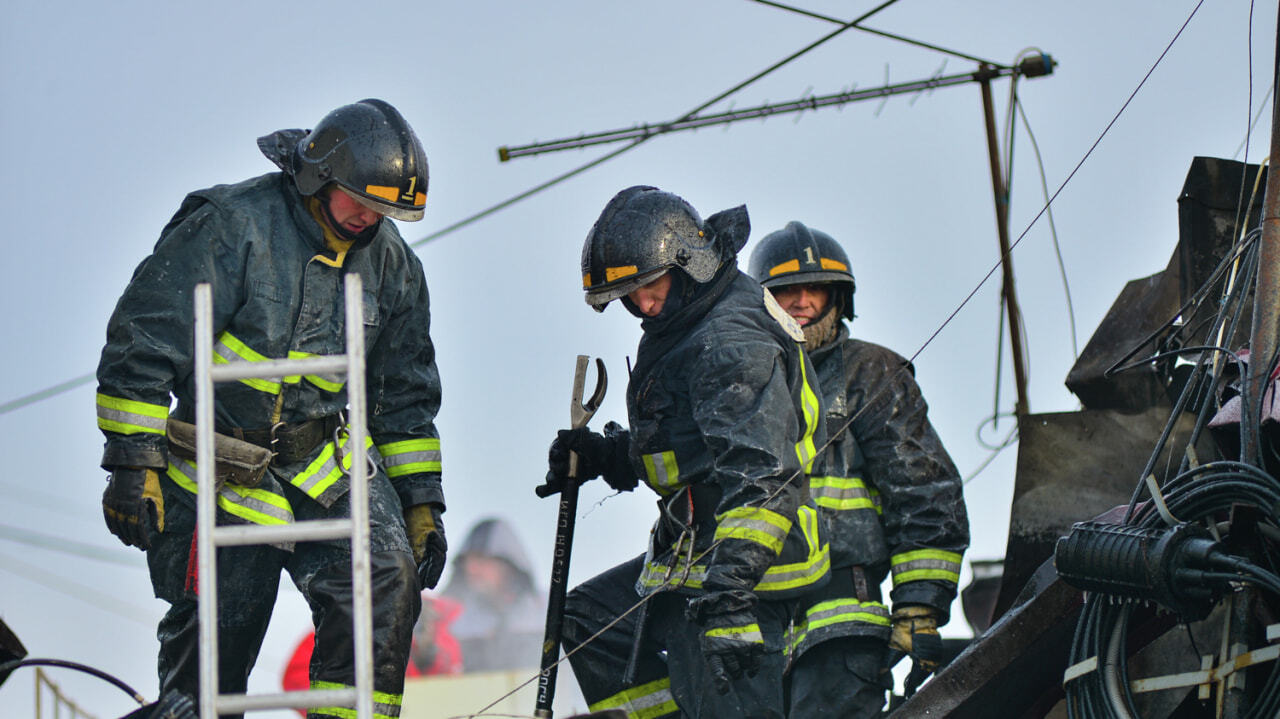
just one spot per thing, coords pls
(1263, 105)
(1053, 229)
(688, 115)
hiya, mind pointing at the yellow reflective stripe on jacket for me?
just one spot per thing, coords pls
(410, 456)
(805, 449)
(227, 349)
(837, 611)
(256, 506)
(661, 471)
(816, 565)
(777, 578)
(754, 524)
(749, 633)
(844, 493)
(385, 705)
(129, 416)
(647, 701)
(926, 564)
(324, 474)
(328, 383)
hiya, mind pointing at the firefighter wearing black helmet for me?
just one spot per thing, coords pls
(276, 249)
(885, 485)
(722, 424)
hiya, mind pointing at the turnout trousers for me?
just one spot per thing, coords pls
(248, 580)
(671, 677)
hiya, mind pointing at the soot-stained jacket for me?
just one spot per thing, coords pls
(887, 489)
(724, 420)
(277, 294)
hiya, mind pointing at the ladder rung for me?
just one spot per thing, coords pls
(239, 703)
(276, 369)
(307, 531)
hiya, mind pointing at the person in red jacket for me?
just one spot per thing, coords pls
(434, 650)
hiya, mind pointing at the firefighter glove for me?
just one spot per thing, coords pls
(731, 641)
(915, 632)
(599, 455)
(132, 505)
(425, 529)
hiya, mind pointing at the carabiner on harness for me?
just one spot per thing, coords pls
(338, 454)
(687, 532)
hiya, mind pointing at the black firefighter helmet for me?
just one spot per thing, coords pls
(367, 148)
(643, 232)
(800, 255)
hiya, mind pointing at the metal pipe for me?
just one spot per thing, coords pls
(361, 560)
(1009, 293)
(206, 498)
(1266, 297)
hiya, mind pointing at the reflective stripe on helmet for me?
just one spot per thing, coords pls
(614, 273)
(129, 416)
(788, 266)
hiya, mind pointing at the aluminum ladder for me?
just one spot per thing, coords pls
(356, 527)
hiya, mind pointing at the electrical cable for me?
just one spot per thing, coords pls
(688, 115)
(1053, 228)
(881, 33)
(118, 683)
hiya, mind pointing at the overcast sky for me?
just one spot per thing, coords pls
(110, 113)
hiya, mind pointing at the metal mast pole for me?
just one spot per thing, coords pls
(1009, 293)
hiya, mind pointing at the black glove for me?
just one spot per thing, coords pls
(598, 455)
(731, 640)
(425, 529)
(132, 505)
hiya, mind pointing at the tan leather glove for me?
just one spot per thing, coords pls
(425, 530)
(915, 632)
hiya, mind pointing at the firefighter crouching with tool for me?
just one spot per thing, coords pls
(886, 487)
(724, 420)
(275, 249)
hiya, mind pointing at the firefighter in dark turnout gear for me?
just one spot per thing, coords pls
(886, 488)
(723, 424)
(275, 249)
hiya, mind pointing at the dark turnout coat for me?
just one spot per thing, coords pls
(277, 294)
(888, 491)
(724, 420)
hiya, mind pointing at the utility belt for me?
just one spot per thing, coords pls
(242, 455)
(289, 442)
